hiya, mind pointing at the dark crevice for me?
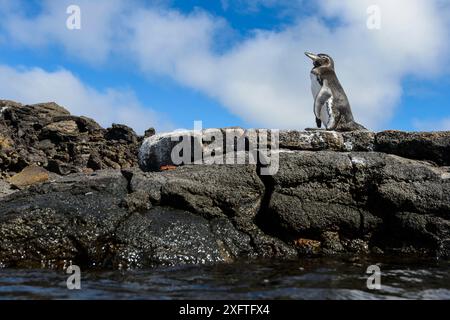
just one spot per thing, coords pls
(264, 218)
(128, 175)
(82, 256)
(356, 194)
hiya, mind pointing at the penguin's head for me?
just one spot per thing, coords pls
(321, 60)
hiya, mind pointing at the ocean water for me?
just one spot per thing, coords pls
(312, 278)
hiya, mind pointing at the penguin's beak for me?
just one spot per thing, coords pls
(312, 56)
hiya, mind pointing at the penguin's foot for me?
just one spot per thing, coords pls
(315, 129)
(351, 126)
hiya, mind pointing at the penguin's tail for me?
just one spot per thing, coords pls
(352, 126)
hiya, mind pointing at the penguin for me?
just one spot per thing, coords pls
(331, 106)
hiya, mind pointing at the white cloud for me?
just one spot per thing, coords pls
(107, 107)
(99, 33)
(264, 78)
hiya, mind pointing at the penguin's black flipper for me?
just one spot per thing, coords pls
(318, 122)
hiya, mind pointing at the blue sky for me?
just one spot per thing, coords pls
(232, 62)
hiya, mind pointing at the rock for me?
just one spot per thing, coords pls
(358, 197)
(331, 243)
(359, 141)
(121, 132)
(432, 146)
(29, 176)
(213, 191)
(307, 246)
(5, 104)
(87, 202)
(95, 161)
(81, 218)
(48, 136)
(71, 219)
(63, 127)
(6, 144)
(311, 140)
(149, 132)
(165, 236)
(5, 188)
(137, 202)
(210, 190)
(308, 198)
(156, 151)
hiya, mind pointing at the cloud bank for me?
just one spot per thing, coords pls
(263, 78)
(110, 106)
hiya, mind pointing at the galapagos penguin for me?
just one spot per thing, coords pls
(331, 105)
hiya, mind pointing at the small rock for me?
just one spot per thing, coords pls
(316, 140)
(331, 242)
(69, 127)
(121, 132)
(307, 246)
(29, 176)
(6, 144)
(137, 202)
(61, 167)
(94, 161)
(111, 164)
(149, 132)
(5, 188)
(356, 245)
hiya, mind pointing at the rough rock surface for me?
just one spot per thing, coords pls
(366, 199)
(48, 136)
(432, 146)
(29, 176)
(81, 219)
(334, 193)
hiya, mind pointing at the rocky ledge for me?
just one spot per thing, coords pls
(73, 192)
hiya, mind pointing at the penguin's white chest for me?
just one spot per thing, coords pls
(315, 85)
(323, 101)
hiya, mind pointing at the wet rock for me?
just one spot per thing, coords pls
(307, 246)
(359, 198)
(331, 243)
(165, 236)
(210, 190)
(234, 192)
(70, 219)
(94, 222)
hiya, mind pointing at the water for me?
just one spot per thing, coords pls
(319, 278)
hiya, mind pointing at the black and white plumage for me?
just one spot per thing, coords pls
(331, 106)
